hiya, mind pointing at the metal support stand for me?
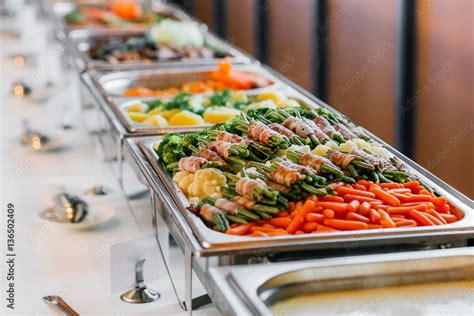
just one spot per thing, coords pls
(189, 303)
(140, 294)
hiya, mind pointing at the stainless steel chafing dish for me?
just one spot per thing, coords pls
(81, 40)
(285, 287)
(101, 90)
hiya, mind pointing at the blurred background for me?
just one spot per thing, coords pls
(401, 68)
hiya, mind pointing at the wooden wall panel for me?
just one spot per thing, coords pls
(203, 10)
(361, 53)
(290, 32)
(445, 117)
(241, 23)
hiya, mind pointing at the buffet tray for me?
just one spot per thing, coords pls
(107, 88)
(80, 41)
(251, 290)
(208, 242)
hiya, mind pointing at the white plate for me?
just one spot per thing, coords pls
(99, 213)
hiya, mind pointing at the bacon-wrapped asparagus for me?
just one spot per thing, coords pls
(234, 212)
(213, 215)
(193, 164)
(328, 129)
(318, 163)
(349, 162)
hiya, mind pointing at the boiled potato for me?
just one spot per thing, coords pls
(286, 103)
(186, 118)
(154, 111)
(138, 107)
(275, 96)
(137, 116)
(218, 114)
(169, 113)
(156, 120)
(239, 96)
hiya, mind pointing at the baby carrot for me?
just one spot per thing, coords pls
(280, 222)
(315, 218)
(328, 213)
(411, 184)
(262, 229)
(298, 206)
(439, 201)
(420, 218)
(412, 198)
(282, 214)
(308, 206)
(385, 219)
(325, 229)
(308, 227)
(374, 216)
(432, 218)
(405, 209)
(374, 226)
(364, 209)
(299, 232)
(358, 186)
(437, 215)
(331, 198)
(259, 233)
(391, 185)
(241, 230)
(384, 196)
(450, 218)
(295, 224)
(400, 190)
(342, 224)
(335, 206)
(360, 198)
(442, 208)
(353, 206)
(344, 190)
(406, 223)
(357, 217)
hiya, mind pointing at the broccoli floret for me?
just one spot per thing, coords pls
(171, 149)
(189, 140)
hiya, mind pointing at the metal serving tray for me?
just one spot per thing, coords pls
(215, 243)
(82, 39)
(106, 89)
(252, 290)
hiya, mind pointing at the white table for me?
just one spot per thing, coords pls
(73, 264)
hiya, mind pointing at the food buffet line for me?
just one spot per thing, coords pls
(250, 172)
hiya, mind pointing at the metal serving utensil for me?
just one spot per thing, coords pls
(69, 208)
(58, 302)
(34, 138)
(98, 190)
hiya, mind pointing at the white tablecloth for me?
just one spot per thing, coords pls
(73, 264)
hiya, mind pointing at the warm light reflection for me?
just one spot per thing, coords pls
(19, 90)
(36, 142)
(19, 61)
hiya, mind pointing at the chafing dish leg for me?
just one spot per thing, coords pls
(188, 279)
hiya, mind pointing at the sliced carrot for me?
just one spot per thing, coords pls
(344, 190)
(331, 198)
(280, 222)
(360, 198)
(241, 230)
(450, 218)
(325, 229)
(357, 217)
(353, 206)
(328, 213)
(437, 215)
(364, 209)
(420, 218)
(335, 206)
(308, 227)
(384, 196)
(295, 224)
(432, 218)
(406, 223)
(315, 218)
(374, 216)
(342, 224)
(385, 219)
